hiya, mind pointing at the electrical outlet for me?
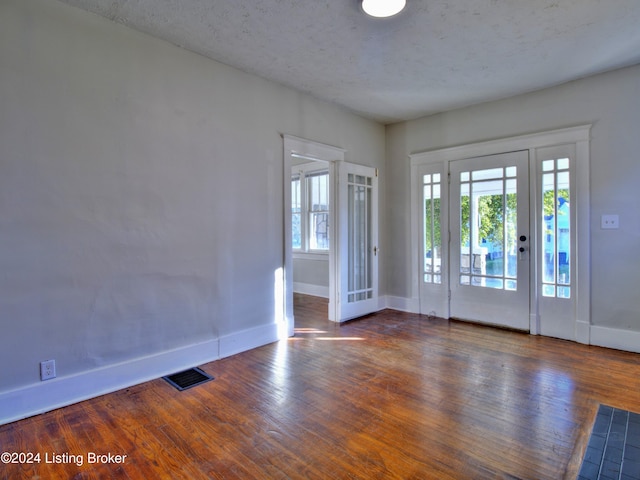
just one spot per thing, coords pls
(609, 222)
(47, 369)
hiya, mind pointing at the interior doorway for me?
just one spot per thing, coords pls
(352, 228)
(311, 226)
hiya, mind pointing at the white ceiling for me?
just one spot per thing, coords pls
(436, 55)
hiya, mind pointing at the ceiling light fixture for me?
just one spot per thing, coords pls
(383, 8)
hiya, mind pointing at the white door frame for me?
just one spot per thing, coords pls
(439, 159)
(302, 148)
(339, 308)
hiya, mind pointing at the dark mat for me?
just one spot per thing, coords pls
(188, 378)
(613, 452)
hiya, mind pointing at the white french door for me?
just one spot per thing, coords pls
(489, 245)
(498, 242)
(357, 243)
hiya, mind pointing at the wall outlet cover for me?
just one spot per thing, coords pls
(47, 370)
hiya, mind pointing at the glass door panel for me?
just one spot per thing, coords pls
(488, 238)
(489, 221)
(360, 246)
(358, 235)
(432, 234)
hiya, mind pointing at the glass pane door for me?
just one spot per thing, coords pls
(358, 235)
(489, 221)
(360, 243)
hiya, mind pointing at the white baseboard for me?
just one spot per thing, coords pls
(310, 289)
(62, 391)
(247, 339)
(619, 339)
(410, 305)
(583, 332)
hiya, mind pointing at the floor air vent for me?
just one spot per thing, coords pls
(188, 378)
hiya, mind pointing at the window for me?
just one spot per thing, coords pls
(488, 228)
(556, 231)
(432, 229)
(310, 209)
(296, 212)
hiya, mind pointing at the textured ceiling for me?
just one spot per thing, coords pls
(436, 55)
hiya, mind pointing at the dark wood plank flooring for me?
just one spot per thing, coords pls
(391, 395)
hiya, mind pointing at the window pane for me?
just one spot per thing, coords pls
(490, 282)
(465, 233)
(431, 234)
(319, 193)
(556, 230)
(488, 229)
(511, 233)
(296, 216)
(563, 163)
(549, 229)
(296, 230)
(318, 210)
(487, 174)
(360, 248)
(295, 195)
(319, 234)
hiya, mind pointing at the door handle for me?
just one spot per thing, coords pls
(523, 238)
(522, 255)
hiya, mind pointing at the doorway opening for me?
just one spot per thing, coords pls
(344, 222)
(311, 226)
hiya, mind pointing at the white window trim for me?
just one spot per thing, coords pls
(305, 171)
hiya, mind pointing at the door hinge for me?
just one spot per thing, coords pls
(376, 173)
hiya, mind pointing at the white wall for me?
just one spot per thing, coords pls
(311, 275)
(612, 103)
(141, 206)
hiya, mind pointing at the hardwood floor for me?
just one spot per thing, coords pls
(391, 395)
